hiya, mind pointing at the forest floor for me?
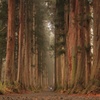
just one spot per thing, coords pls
(48, 96)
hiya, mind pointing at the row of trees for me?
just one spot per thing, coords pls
(21, 39)
(78, 66)
(25, 62)
(76, 47)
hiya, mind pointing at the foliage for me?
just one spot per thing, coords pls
(13, 87)
(16, 87)
(2, 88)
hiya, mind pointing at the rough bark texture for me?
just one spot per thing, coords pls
(71, 47)
(95, 75)
(20, 43)
(10, 41)
(86, 25)
(77, 58)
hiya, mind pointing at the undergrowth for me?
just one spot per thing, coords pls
(2, 88)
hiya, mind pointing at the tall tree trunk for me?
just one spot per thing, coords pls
(10, 42)
(26, 66)
(30, 17)
(0, 67)
(20, 43)
(95, 75)
(36, 60)
(76, 46)
(71, 47)
(66, 28)
(87, 42)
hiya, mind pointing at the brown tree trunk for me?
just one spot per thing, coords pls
(36, 61)
(30, 17)
(26, 65)
(66, 28)
(95, 75)
(75, 46)
(20, 43)
(71, 47)
(0, 67)
(10, 41)
(87, 42)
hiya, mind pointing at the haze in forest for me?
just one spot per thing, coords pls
(50, 45)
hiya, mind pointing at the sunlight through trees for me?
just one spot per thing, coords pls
(50, 45)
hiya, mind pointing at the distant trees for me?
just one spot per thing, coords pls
(44, 20)
(60, 45)
(77, 61)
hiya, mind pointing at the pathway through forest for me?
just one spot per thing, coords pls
(48, 96)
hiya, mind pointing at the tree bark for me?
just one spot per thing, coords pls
(95, 75)
(10, 41)
(20, 43)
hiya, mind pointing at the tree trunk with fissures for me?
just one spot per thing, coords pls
(10, 42)
(95, 73)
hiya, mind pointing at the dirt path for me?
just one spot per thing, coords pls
(48, 96)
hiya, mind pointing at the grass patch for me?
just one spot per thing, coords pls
(2, 88)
